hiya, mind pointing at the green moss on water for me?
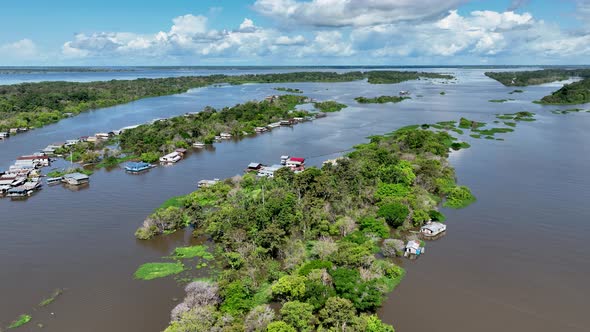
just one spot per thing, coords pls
(193, 251)
(149, 271)
(442, 93)
(475, 135)
(489, 137)
(20, 321)
(460, 145)
(510, 124)
(176, 201)
(567, 111)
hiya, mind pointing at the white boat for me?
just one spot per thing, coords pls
(274, 125)
(54, 180)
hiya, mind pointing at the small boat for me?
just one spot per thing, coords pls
(284, 159)
(274, 125)
(207, 183)
(137, 167)
(260, 129)
(56, 180)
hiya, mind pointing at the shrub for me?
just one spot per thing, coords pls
(394, 213)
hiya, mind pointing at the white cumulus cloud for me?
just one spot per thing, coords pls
(338, 13)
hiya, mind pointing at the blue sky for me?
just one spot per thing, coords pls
(293, 32)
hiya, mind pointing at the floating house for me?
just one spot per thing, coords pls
(25, 190)
(225, 135)
(295, 163)
(413, 249)
(137, 167)
(71, 142)
(199, 145)
(260, 129)
(104, 136)
(13, 130)
(4, 134)
(207, 183)
(433, 229)
(91, 139)
(180, 151)
(269, 171)
(404, 93)
(171, 157)
(4, 189)
(254, 167)
(333, 162)
(274, 125)
(33, 161)
(289, 122)
(284, 159)
(76, 179)
(51, 181)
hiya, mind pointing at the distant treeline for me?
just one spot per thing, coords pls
(37, 104)
(535, 77)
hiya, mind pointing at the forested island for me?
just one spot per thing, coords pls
(535, 77)
(290, 90)
(150, 141)
(33, 105)
(570, 94)
(380, 99)
(299, 252)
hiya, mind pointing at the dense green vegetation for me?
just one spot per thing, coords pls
(380, 99)
(391, 77)
(534, 77)
(180, 132)
(329, 106)
(193, 251)
(51, 298)
(499, 100)
(33, 105)
(149, 271)
(290, 90)
(20, 321)
(518, 116)
(569, 94)
(307, 242)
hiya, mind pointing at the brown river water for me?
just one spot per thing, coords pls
(517, 259)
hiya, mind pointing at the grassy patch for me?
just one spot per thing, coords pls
(149, 271)
(442, 93)
(114, 161)
(193, 251)
(176, 201)
(510, 124)
(475, 135)
(20, 321)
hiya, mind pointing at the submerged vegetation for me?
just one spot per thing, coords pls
(380, 99)
(569, 94)
(33, 105)
(569, 110)
(535, 77)
(306, 242)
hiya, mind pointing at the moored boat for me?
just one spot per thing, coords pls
(136, 167)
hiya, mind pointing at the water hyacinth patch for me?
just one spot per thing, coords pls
(193, 251)
(20, 321)
(149, 271)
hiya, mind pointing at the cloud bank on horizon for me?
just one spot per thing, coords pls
(333, 32)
